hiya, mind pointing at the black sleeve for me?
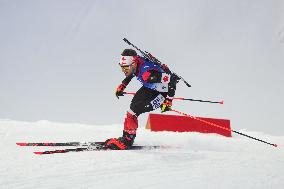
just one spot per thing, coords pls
(127, 79)
(172, 85)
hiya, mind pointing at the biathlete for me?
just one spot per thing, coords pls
(157, 91)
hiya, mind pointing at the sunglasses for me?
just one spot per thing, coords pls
(125, 68)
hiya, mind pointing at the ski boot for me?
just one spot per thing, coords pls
(121, 143)
(129, 134)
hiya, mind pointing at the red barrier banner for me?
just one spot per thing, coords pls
(176, 123)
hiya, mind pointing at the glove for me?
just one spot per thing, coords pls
(166, 105)
(119, 90)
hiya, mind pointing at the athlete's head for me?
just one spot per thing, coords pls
(128, 62)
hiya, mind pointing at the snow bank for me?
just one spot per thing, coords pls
(191, 160)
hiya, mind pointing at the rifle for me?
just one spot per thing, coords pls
(153, 59)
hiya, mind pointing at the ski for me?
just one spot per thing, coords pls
(97, 147)
(57, 143)
(81, 146)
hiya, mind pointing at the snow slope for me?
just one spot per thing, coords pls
(192, 160)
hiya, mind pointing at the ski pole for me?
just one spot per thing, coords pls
(195, 100)
(129, 93)
(189, 99)
(221, 127)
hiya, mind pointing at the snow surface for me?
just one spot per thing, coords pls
(192, 160)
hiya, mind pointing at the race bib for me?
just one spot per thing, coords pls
(165, 78)
(156, 103)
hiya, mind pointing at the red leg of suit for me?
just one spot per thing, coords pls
(130, 123)
(129, 134)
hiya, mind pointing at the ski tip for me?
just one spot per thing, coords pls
(275, 145)
(38, 153)
(21, 143)
(221, 102)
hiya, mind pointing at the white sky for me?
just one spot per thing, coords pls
(58, 58)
